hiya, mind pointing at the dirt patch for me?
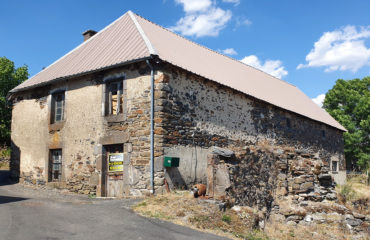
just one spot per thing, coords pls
(205, 215)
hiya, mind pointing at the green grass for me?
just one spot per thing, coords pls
(226, 218)
(5, 152)
(254, 235)
(91, 196)
(142, 204)
(157, 215)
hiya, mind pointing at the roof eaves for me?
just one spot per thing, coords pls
(70, 52)
(77, 75)
(142, 33)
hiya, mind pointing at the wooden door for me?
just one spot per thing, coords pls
(114, 173)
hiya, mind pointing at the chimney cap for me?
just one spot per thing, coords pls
(89, 31)
(88, 34)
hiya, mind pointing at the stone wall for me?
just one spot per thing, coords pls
(84, 132)
(200, 114)
(192, 115)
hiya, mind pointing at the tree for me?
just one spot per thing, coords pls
(349, 103)
(9, 78)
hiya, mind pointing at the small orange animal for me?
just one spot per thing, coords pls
(199, 190)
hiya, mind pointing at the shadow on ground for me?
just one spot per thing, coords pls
(8, 199)
(5, 178)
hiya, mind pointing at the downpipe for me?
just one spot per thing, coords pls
(151, 125)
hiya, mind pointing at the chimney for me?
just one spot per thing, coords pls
(88, 34)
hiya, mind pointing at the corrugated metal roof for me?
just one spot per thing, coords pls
(119, 42)
(232, 73)
(132, 37)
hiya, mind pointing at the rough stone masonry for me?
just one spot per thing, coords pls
(276, 152)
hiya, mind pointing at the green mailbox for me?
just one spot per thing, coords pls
(171, 161)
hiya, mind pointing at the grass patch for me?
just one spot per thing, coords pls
(91, 196)
(315, 231)
(5, 152)
(226, 218)
(4, 155)
(355, 194)
(254, 235)
(181, 208)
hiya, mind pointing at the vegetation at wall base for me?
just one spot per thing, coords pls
(349, 103)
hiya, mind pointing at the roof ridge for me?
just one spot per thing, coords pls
(233, 59)
(149, 45)
(76, 48)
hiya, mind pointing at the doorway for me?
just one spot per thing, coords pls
(114, 170)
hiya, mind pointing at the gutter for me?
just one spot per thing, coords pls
(151, 125)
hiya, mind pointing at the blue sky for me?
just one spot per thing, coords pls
(307, 43)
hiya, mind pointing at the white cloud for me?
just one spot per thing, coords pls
(236, 2)
(273, 67)
(202, 18)
(319, 100)
(343, 49)
(229, 51)
(240, 21)
(195, 5)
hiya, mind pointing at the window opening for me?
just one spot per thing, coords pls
(334, 166)
(55, 165)
(57, 107)
(115, 98)
(288, 124)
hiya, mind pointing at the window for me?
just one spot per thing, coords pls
(323, 134)
(55, 166)
(288, 124)
(57, 107)
(114, 97)
(334, 166)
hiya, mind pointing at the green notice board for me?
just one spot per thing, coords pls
(115, 162)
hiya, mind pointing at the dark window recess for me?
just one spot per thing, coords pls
(55, 166)
(323, 134)
(57, 107)
(288, 124)
(114, 97)
(334, 166)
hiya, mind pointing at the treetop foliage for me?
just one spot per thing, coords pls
(10, 77)
(349, 103)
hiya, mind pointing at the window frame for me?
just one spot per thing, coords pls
(119, 83)
(336, 166)
(55, 107)
(52, 163)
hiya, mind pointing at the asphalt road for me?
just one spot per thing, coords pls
(27, 214)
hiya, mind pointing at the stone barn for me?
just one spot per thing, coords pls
(137, 109)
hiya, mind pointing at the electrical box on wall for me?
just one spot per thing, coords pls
(171, 161)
